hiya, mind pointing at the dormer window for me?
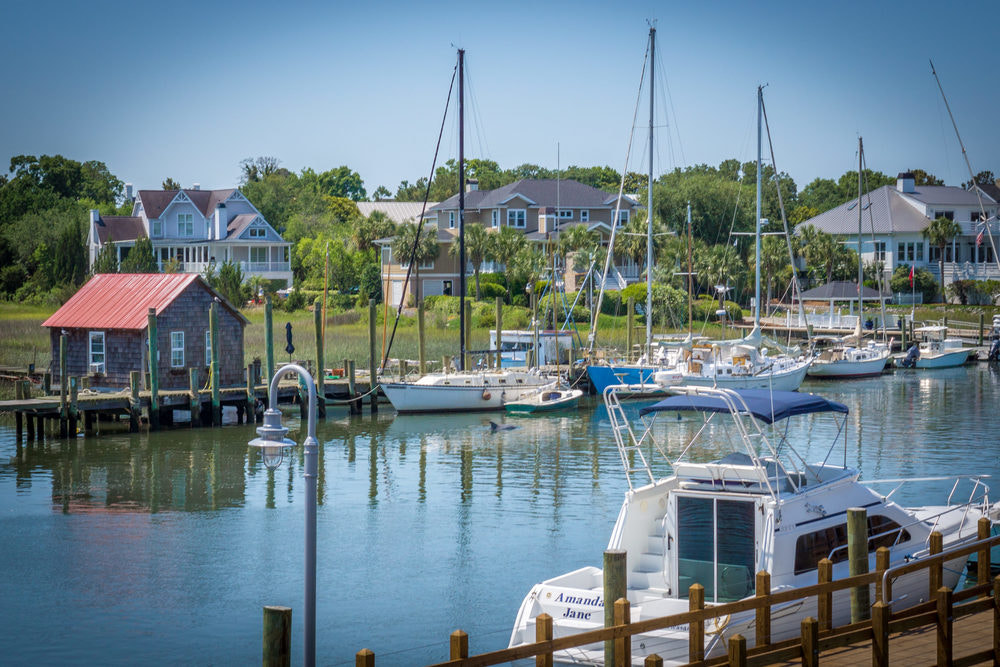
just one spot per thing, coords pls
(185, 224)
(258, 232)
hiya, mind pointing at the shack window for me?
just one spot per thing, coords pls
(177, 349)
(208, 347)
(831, 542)
(96, 347)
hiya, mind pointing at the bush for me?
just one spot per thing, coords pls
(296, 301)
(487, 291)
(441, 304)
(705, 307)
(923, 282)
(493, 279)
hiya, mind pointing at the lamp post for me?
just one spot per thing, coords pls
(272, 443)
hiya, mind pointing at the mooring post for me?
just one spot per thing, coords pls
(320, 368)
(980, 328)
(404, 368)
(352, 388)
(615, 586)
(18, 425)
(421, 339)
(277, 637)
(194, 396)
(446, 363)
(372, 360)
(133, 404)
(213, 323)
(364, 658)
(629, 326)
(269, 337)
(63, 384)
(31, 426)
(74, 412)
(250, 395)
(857, 557)
(47, 383)
(936, 570)
(154, 373)
(468, 336)
(499, 323)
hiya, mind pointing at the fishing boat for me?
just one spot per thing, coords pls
(463, 390)
(757, 506)
(936, 350)
(549, 398)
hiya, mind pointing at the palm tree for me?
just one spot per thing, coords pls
(477, 246)
(774, 258)
(632, 242)
(366, 230)
(427, 248)
(718, 265)
(504, 246)
(940, 233)
(819, 249)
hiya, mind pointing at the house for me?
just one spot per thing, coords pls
(539, 208)
(194, 229)
(397, 211)
(107, 326)
(901, 213)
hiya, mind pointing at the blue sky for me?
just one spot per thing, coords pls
(188, 89)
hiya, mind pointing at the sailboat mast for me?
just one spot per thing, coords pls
(756, 310)
(461, 208)
(649, 200)
(861, 267)
(690, 276)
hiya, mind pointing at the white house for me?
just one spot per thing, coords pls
(899, 214)
(196, 228)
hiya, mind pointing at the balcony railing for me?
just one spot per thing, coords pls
(250, 268)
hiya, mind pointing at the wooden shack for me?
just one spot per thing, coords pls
(107, 325)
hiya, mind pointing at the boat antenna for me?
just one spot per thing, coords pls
(420, 224)
(461, 209)
(972, 178)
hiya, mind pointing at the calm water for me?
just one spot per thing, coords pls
(162, 548)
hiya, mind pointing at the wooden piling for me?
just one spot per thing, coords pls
(372, 360)
(857, 557)
(74, 405)
(696, 631)
(404, 368)
(277, 649)
(981, 316)
(763, 614)
(194, 396)
(824, 601)
(250, 394)
(543, 633)
(935, 574)
(629, 328)
(320, 368)
(18, 425)
(89, 421)
(133, 403)
(269, 337)
(446, 363)
(352, 390)
(499, 324)
(421, 339)
(983, 555)
(615, 586)
(63, 384)
(153, 370)
(47, 383)
(31, 426)
(213, 323)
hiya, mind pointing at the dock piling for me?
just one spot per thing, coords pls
(63, 384)
(74, 394)
(154, 362)
(133, 404)
(194, 396)
(372, 381)
(213, 323)
(277, 637)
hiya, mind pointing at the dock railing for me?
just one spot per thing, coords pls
(941, 609)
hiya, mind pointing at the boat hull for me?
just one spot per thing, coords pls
(602, 377)
(782, 380)
(457, 393)
(945, 360)
(847, 369)
(533, 403)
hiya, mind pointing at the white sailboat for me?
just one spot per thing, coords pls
(760, 506)
(464, 390)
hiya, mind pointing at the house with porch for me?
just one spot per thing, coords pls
(193, 229)
(538, 208)
(900, 213)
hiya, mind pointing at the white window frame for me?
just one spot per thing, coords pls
(565, 214)
(495, 219)
(386, 255)
(258, 249)
(451, 220)
(156, 228)
(208, 347)
(623, 216)
(427, 265)
(176, 351)
(880, 251)
(185, 224)
(257, 232)
(517, 214)
(585, 215)
(91, 356)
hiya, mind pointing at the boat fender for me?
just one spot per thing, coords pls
(486, 394)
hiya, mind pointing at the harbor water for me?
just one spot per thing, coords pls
(163, 547)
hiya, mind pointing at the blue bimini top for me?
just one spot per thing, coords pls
(764, 404)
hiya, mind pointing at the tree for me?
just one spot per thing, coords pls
(505, 245)
(982, 178)
(376, 226)
(229, 283)
(408, 246)
(819, 249)
(257, 169)
(381, 194)
(939, 234)
(338, 182)
(774, 259)
(140, 258)
(107, 259)
(170, 184)
(923, 282)
(477, 244)
(921, 177)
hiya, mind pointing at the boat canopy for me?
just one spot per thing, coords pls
(764, 404)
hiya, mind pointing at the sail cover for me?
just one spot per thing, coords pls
(768, 406)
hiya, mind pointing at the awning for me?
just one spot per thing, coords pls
(764, 404)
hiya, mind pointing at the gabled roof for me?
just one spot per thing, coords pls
(119, 228)
(991, 190)
(154, 202)
(123, 300)
(397, 211)
(538, 191)
(239, 223)
(889, 211)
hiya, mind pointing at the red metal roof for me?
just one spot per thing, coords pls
(120, 300)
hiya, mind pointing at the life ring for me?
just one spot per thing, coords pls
(486, 394)
(718, 628)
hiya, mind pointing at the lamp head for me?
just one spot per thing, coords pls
(272, 441)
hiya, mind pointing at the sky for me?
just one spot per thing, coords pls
(187, 90)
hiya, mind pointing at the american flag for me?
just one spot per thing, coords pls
(979, 239)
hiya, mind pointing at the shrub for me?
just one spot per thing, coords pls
(487, 291)
(296, 301)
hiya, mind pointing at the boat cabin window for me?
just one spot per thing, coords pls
(715, 547)
(831, 542)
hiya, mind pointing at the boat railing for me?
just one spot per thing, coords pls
(629, 447)
(978, 496)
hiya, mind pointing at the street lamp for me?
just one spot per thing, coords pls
(272, 443)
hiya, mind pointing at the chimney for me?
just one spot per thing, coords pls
(220, 222)
(471, 184)
(128, 192)
(196, 186)
(904, 182)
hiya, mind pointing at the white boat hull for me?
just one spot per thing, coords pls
(788, 379)
(458, 392)
(946, 360)
(847, 369)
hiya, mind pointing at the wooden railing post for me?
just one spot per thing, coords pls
(737, 651)
(857, 558)
(277, 637)
(936, 570)
(880, 634)
(653, 660)
(944, 627)
(615, 587)
(881, 565)
(623, 645)
(996, 618)
(458, 645)
(543, 633)
(824, 601)
(763, 614)
(810, 642)
(364, 658)
(696, 630)
(983, 556)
